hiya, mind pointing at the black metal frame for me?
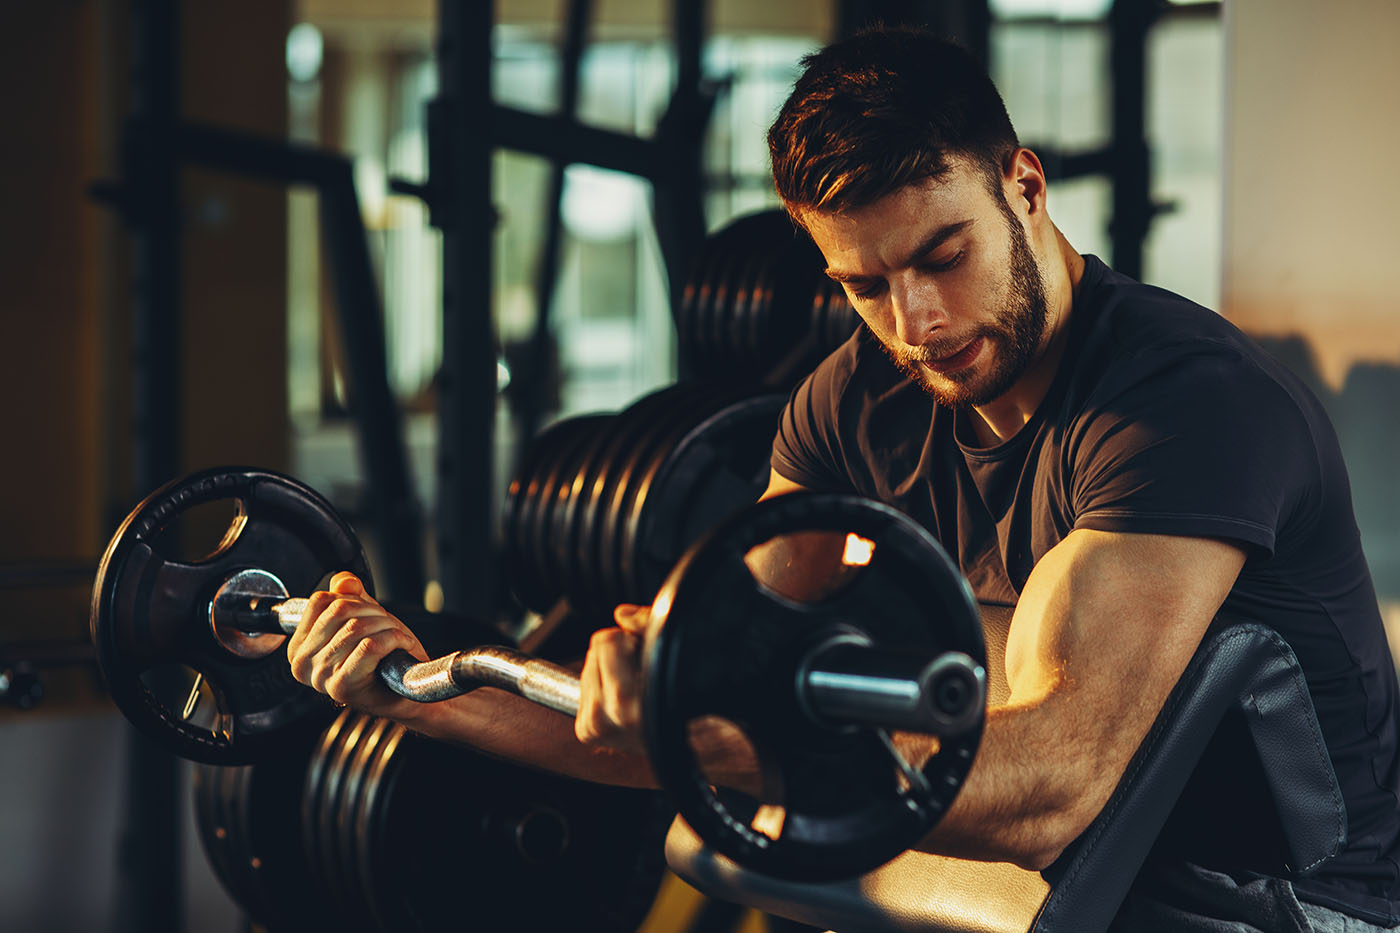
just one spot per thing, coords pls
(156, 144)
(464, 128)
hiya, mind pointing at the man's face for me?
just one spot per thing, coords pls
(942, 274)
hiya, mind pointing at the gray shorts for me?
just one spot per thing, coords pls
(1191, 899)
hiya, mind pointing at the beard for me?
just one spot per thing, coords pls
(1013, 337)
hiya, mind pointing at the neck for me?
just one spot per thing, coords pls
(999, 420)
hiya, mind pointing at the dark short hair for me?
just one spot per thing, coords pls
(879, 110)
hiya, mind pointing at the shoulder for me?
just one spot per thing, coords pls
(1171, 352)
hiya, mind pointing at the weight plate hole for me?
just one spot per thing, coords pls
(809, 566)
(188, 698)
(201, 532)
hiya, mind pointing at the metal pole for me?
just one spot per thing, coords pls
(532, 384)
(149, 870)
(1130, 21)
(460, 178)
(680, 192)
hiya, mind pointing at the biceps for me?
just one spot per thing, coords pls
(1114, 618)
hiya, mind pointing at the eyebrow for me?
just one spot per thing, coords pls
(928, 245)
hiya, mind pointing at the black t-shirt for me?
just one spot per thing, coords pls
(1163, 418)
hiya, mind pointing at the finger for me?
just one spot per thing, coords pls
(316, 604)
(345, 639)
(358, 668)
(326, 614)
(586, 722)
(632, 618)
(346, 583)
(616, 654)
(605, 688)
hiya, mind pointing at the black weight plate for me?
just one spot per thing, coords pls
(681, 398)
(331, 836)
(725, 645)
(719, 467)
(313, 788)
(520, 556)
(749, 241)
(745, 308)
(710, 336)
(518, 492)
(640, 500)
(554, 488)
(150, 611)
(383, 905)
(213, 830)
(612, 519)
(725, 311)
(568, 506)
(281, 878)
(754, 329)
(237, 818)
(360, 898)
(526, 575)
(590, 592)
(576, 531)
(696, 295)
(800, 268)
(602, 878)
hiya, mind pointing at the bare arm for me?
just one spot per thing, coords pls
(1105, 626)
(345, 633)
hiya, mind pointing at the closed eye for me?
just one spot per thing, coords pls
(865, 289)
(947, 264)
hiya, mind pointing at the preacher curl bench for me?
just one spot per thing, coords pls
(1240, 669)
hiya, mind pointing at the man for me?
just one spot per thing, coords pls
(1120, 465)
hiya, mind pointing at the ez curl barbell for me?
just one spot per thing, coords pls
(815, 623)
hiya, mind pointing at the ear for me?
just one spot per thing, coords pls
(1024, 181)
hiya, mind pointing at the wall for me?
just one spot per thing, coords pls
(1310, 237)
(64, 316)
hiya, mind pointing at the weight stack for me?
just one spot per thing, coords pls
(604, 505)
(758, 307)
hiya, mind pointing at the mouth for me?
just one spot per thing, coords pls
(959, 359)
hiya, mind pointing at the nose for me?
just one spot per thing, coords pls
(918, 309)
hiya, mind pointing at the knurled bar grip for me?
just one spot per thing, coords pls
(842, 683)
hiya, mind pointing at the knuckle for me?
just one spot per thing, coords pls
(586, 728)
(301, 671)
(337, 689)
(321, 670)
(375, 643)
(357, 629)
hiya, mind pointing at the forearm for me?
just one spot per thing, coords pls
(1033, 787)
(505, 726)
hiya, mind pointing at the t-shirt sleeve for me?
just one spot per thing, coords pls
(807, 446)
(1208, 446)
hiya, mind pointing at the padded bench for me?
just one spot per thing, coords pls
(1243, 668)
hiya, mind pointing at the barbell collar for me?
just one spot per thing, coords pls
(846, 681)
